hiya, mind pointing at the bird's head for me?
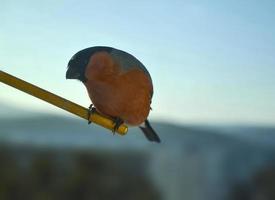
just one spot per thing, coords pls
(77, 65)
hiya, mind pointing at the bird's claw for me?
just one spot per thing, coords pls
(91, 110)
(117, 123)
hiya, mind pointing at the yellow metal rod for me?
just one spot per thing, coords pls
(60, 102)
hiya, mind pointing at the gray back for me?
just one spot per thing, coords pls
(127, 61)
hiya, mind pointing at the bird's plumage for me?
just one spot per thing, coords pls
(118, 84)
(149, 132)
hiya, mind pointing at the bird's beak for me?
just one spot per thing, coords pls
(72, 74)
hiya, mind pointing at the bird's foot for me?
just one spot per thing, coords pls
(117, 122)
(91, 110)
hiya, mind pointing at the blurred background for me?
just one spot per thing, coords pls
(213, 68)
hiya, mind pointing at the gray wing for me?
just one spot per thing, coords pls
(128, 62)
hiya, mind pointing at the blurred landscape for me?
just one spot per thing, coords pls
(46, 156)
(212, 66)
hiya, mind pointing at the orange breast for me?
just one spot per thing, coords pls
(136, 90)
(127, 96)
(115, 93)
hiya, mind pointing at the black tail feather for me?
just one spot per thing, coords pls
(149, 132)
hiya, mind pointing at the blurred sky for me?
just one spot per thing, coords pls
(211, 61)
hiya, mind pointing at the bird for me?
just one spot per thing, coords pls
(118, 84)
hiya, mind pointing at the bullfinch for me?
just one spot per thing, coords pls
(118, 85)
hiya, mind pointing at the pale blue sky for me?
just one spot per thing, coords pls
(211, 61)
